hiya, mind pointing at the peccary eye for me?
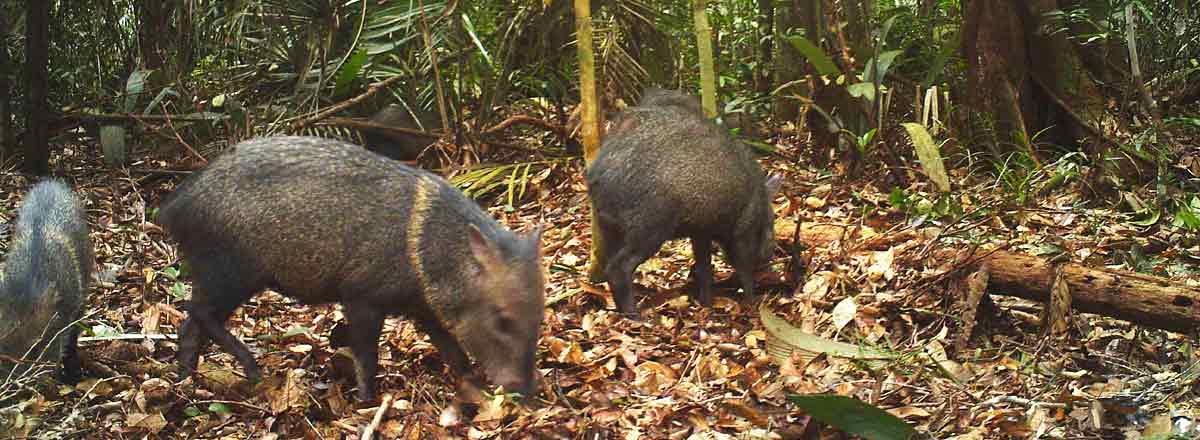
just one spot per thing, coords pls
(506, 325)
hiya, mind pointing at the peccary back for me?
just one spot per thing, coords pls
(666, 172)
(658, 97)
(44, 282)
(325, 221)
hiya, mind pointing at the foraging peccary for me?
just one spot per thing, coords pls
(399, 146)
(326, 221)
(44, 283)
(665, 172)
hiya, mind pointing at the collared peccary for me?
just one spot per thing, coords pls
(326, 221)
(666, 172)
(399, 146)
(44, 282)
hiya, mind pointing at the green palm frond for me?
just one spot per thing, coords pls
(512, 179)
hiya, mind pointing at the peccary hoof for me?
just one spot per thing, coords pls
(366, 401)
(69, 376)
(752, 300)
(634, 315)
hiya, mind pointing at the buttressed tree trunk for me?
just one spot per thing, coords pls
(1022, 79)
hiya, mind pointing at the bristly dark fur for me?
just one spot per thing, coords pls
(45, 279)
(666, 172)
(325, 221)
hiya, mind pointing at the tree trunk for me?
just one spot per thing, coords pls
(1021, 80)
(766, 39)
(590, 129)
(154, 17)
(790, 66)
(6, 136)
(708, 75)
(37, 47)
(185, 47)
(995, 51)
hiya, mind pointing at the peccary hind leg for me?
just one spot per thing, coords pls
(208, 323)
(637, 247)
(365, 325)
(71, 369)
(214, 298)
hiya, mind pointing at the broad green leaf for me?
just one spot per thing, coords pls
(928, 155)
(178, 290)
(885, 62)
(783, 339)
(112, 143)
(814, 54)
(863, 90)
(219, 408)
(349, 72)
(162, 95)
(897, 197)
(948, 47)
(1188, 218)
(887, 27)
(134, 86)
(102, 330)
(855, 417)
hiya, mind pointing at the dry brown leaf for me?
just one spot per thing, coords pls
(1059, 307)
(976, 288)
(291, 394)
(151, 423)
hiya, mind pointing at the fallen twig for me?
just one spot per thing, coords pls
(383, 407)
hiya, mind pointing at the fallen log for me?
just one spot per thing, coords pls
(1138, 298)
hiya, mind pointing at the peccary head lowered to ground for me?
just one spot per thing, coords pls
(44, 282)
(666, 172)
(325, 221)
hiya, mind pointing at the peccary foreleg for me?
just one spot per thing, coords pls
(365, 324)
(702, 270)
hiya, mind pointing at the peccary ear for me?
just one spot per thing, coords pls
(773, 184)
(483, 249)
(624, 123)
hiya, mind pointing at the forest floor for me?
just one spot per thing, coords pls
(684, 372)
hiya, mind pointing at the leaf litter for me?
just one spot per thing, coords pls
(860, 318)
